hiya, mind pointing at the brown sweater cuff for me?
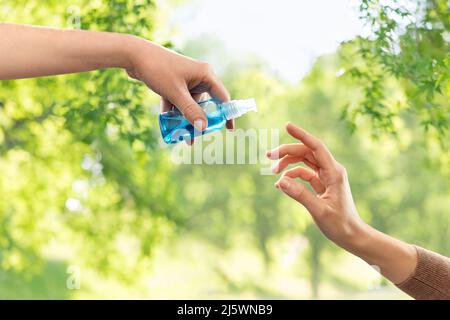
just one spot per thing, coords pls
(431, 279)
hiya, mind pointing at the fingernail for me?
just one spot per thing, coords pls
(199, 124)
(268, 153)
(284, 184)
(230, 127)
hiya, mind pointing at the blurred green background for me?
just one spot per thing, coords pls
(91, 205)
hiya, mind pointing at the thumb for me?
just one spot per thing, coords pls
(299, 192)
(191, 110)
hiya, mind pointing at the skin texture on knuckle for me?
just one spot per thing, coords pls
(317, 144)
(206, 70)
(297, 192)
(340, 173)
(343, 172)
(320, 143)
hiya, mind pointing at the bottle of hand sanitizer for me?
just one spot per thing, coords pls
(175, 127)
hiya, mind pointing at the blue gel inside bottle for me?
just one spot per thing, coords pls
(175, 127)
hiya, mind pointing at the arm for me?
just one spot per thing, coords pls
(333, 210)
(29, 51)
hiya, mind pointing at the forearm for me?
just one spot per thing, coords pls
(29, 51)
(418, 272)
(396, 259)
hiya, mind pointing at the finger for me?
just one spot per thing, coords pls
(284, 162)
(217, 90)
(132, 74)
(311, 165)
(293, 149)
(189, 141)
(287, 160)
(299, 192)
(230, 125)
(190, 109)
(306, 175)
(321, 153)
(166, 105)
(198, 96)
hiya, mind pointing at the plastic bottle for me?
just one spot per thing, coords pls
(175, 127)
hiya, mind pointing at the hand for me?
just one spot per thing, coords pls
(331, 206)
(179, 80)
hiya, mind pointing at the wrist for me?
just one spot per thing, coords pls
(136, 50)
(99, 50)
(395, 259)
(363, 238)
(357, 237)
(128, 46)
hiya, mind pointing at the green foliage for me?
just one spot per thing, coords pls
(78, 158)
(408, 41)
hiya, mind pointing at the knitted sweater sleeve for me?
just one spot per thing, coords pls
(431, 279)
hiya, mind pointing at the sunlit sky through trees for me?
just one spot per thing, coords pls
(288, 34)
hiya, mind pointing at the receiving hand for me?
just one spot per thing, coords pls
(330, 204)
